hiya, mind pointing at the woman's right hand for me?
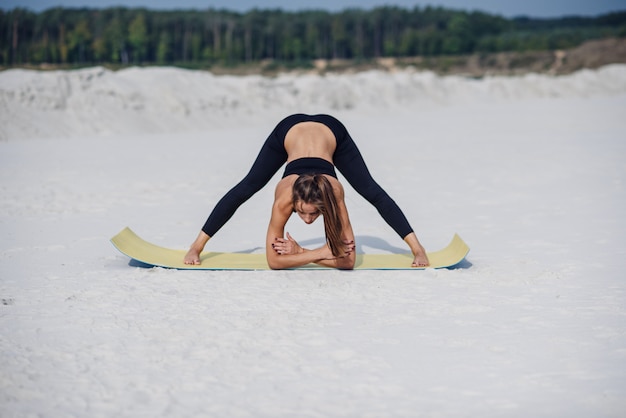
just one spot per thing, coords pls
(284, 246)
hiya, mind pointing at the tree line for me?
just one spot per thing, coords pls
(140, 36)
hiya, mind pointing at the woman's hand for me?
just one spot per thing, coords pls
(349, 248)
(286, 246)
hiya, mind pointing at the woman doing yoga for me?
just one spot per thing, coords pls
(312, 146)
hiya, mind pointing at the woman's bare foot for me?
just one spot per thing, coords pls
(193, 255)
(421, 259)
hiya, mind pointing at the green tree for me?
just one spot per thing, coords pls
(63, 46)
(115, 38)
(78, 40)
(164, 48)
(339, 37)
(458, 35)
(138, 37)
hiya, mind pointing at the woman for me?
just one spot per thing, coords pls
(312, 146)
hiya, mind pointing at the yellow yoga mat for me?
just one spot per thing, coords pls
(141, 250)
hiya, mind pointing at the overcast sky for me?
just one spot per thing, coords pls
(508, 8)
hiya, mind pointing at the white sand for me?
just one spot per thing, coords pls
(530, 171)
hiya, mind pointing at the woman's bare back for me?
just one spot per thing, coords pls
(310, 139)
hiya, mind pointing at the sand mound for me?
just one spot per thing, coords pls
(98, 101)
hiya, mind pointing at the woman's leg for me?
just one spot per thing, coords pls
(350, 163)
(271, 157)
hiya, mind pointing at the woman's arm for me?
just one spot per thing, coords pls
(281, 211)
(288, 246)
(298, 257)
(288, 253)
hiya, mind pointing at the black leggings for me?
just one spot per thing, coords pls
(273, 155)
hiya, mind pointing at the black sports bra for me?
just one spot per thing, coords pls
(310, 165)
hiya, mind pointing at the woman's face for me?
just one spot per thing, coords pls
(307, 212)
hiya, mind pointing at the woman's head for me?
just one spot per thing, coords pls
(308, 199)
(313, 196)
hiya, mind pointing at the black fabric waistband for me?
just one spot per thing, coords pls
(310, 165)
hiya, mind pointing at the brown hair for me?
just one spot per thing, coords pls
(315, 189)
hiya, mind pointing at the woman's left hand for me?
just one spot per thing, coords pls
(286, 246)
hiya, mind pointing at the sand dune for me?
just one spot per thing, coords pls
(155, 100)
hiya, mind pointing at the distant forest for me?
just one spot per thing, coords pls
(122, 36)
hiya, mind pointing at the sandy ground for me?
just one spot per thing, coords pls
(528, 170)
